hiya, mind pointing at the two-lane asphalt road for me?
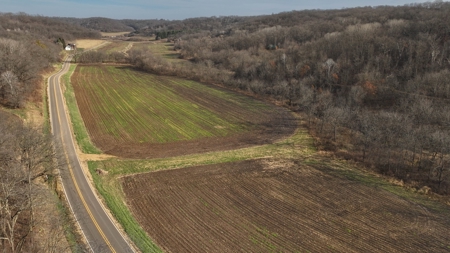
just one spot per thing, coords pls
(98, 229)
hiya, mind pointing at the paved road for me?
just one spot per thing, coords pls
(98, 229)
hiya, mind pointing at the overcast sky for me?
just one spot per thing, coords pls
(177, 9)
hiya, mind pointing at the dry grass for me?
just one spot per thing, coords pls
(109, 34)
(49, 233)
(86, 43)
(34, 115)
(94, 157)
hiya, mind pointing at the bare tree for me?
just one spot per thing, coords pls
(25, 155)
(335, 116)
(17, 72)
(10, 83)
(306, 101)
(440, 169)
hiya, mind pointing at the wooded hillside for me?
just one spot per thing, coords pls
(29, 220)
(28, 45)
(372, 82)
(98, 24)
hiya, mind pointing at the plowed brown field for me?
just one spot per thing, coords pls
(278, 206)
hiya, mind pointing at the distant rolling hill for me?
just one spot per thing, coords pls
(99, 24)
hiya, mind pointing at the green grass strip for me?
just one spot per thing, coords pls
(111, 193)
(81, 134)
(300, 147)
(109, 186)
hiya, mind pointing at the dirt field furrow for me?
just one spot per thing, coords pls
(252, 207)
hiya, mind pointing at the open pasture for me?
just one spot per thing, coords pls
(133, 114)
(268, 205)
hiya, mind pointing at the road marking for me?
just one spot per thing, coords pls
(49, 84)
(52, 78)
(75, 182)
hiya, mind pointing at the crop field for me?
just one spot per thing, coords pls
(88, 43)
(133, 114)
(159, 48)
(114, 46)
(280, 197)
(113, 34)
(227, 173)
(287, 205)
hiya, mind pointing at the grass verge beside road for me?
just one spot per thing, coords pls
(79, 129)
(112, 194)
(106, 175)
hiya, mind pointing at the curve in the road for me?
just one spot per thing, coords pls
(97, 227)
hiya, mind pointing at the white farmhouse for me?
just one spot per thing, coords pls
(70, 47)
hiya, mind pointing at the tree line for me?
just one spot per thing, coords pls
(29, 221)
(26, 157)
(97, 24)
(30, 45)
(371, 82)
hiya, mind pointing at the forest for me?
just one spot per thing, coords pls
(29, 47)
(372, 83)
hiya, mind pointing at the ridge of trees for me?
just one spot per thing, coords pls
(28, 46)
(21, 25)
(27, 159)
(372, 82)
(98, 23)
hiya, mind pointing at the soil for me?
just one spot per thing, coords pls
(278, 206)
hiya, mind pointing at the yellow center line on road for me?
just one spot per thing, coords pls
(75, 182)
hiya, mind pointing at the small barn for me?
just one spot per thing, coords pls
(70, 47)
